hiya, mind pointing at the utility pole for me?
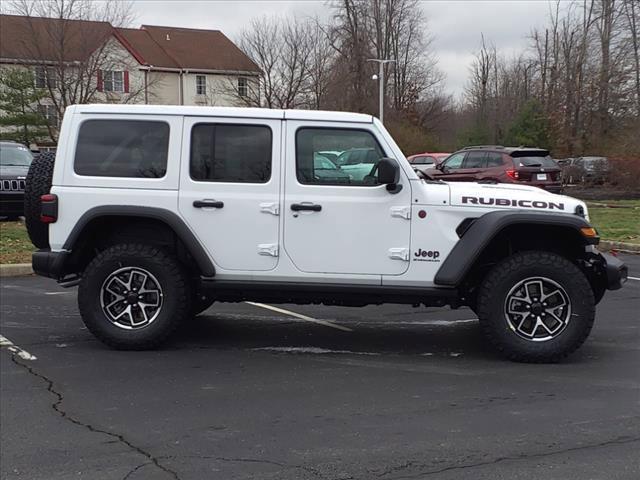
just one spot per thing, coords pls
(380, 77)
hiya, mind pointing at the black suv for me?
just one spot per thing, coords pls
(15, 159)
(497, 164)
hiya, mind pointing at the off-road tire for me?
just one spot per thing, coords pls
(504, 276)
(38, 183)
(172, 278)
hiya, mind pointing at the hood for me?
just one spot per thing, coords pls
(10, 171)
(507, 195)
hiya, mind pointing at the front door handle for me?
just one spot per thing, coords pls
(208, 204)
(312, 207)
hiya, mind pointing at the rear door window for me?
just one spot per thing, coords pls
(475, 160)
(122, 148)
(494, 159)
(230, 153)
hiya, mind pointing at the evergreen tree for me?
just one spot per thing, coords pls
(19, 118)
(530, 127)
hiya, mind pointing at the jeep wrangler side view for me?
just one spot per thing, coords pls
(156, 212)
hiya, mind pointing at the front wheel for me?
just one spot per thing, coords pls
(536, 307)
(134, 296)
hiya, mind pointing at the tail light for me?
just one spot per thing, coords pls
(49, 208)
(513, 174)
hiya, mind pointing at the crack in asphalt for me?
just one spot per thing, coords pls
(310, 470)
(131, 472)
(57, 407)
(615, 441)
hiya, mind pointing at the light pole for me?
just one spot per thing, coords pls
(380, 78)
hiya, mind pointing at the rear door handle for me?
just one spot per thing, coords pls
(208, 204)
(312, 207)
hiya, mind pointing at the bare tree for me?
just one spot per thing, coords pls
(283, 49)
(71, 53)
(482, 71)
(320, 65)
(389, 29)
(631, 10)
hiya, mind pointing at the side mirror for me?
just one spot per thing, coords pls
(389, 174)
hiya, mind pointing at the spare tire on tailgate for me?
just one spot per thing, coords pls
(38, 183)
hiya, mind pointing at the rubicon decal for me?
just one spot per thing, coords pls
(505, 202)
(426, 256)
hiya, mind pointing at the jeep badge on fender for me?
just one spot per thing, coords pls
(142, 212)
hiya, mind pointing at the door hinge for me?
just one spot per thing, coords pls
(270, 207)
(401, 212)
(268, 249)
(399, 254)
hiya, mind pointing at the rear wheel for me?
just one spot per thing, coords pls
(536, 307)
(133, 296)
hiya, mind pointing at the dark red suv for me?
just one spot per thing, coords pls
(496, 164)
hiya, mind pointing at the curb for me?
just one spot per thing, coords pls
(619, 246)
(15, 270)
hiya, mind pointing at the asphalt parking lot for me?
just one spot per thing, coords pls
(249, 392)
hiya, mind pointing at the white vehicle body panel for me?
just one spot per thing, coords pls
(356, 228)
(233, 235)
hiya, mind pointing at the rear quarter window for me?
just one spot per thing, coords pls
(122, 148)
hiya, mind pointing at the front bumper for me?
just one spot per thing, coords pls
(11, 203)
(616, 271)
(49, 264)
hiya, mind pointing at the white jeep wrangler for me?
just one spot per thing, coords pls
(157, 212)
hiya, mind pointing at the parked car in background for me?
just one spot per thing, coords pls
(498, 164)
(331, 154)
(324, 169)
(591, 169)
(15, 160)
(422, 161)
(357, 162)
(585, 170)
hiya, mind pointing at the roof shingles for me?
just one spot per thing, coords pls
(201, 49)
(153, 46)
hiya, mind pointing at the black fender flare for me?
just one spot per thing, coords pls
(484, 229)
(172, 220)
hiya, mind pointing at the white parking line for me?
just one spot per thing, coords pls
(633, 278)
(300, 316)
(16, 350)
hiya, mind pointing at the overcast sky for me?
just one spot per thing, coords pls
(455, 25)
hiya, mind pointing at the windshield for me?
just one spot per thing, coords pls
(15, 156)
(546, 162)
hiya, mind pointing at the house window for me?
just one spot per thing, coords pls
(201, 85)
(45, 77)
(243, 87)
(49, 113)
(113, 81)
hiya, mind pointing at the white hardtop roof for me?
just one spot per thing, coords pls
(238, 112)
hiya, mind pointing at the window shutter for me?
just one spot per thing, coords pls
(126, 81)
(100, 82)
